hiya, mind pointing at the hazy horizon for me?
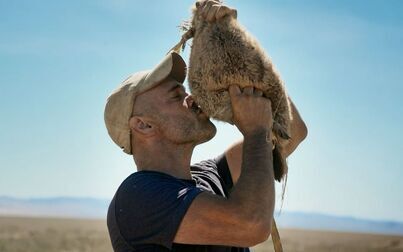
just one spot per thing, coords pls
(106, 201)
(96, 209)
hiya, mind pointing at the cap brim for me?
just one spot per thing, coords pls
(171, 66)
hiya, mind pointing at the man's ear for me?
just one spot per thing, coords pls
(142, 125)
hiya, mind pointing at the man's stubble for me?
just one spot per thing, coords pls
(186, 130)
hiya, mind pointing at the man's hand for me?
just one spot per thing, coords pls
(298, 131)
(213, 10)
(251, 111)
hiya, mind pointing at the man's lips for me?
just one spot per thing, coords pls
(195, 108)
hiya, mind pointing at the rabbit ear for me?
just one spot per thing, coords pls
(280, 131)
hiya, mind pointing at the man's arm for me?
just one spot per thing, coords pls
(244, 219)
(298, 133)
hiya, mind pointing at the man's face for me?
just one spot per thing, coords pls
(175, 114)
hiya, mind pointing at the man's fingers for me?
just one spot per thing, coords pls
(224, 11)
(248, 90)
(211, 15)
(206, 7)
(258, 92)
(212, 2)
(205, 10)
(213, 10)
(234, 90)
(201, 3)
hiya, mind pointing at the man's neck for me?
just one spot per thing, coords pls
(166, 158)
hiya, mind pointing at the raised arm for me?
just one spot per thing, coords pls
(244, 219)
(298, 132)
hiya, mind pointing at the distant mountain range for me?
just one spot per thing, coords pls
(317, 221)
(67, 207)
(55, 207)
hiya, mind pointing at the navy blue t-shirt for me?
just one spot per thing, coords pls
(148, 207)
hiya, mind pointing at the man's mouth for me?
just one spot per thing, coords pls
(196, 108)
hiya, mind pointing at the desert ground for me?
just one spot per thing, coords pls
(73, 235)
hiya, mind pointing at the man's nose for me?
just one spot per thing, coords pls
(189, 101)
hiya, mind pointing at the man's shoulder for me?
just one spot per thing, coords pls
(148, 208)
(213, 175)
(144, 187)
(140, 176)
(147, 179)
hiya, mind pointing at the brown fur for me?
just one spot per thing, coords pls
(224, 53)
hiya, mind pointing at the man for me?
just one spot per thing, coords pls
(222, 204)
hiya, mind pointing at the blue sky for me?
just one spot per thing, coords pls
(341, 61)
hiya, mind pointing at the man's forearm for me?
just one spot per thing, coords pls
(255, 191)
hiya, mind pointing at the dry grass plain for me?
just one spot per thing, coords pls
(72, 235)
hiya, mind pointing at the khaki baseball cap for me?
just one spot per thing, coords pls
(119, 105)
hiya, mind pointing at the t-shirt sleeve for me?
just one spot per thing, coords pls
(150, 207)
(224, 171)
(216, 172)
